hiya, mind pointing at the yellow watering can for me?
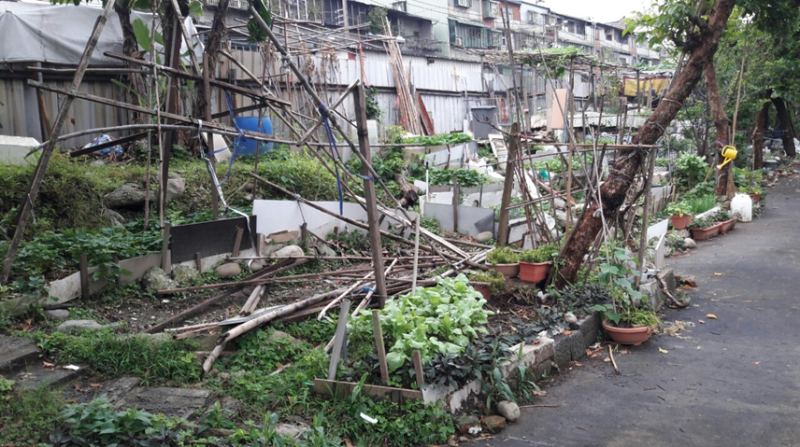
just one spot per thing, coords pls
(729, 153)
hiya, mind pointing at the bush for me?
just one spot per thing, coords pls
(701, 204)
(496, 280)
(545, 253)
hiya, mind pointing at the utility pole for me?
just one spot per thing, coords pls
(369, 194)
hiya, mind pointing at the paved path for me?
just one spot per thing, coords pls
(734, 381)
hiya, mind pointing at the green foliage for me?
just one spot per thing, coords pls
(703, 223)
(373, 106)
(107, 354)
(502, 255)
(438, 140)
(257, 351)
(255, 33)
(701, 204)
(545, 253)
(677, 21)
(466, 178)
(377, 20)
(431, 224)
(689, 168)
(28, 417)
(614, 275)
(312, 331)
(441, 319)
(496, 280)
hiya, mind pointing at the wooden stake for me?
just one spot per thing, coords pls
(646, 214)
(378, 333)
(237, 243)
(369, 194)
(341, 335)
(84, 267)
(198, 261)
(166, 263)
(26, 208)
(508, 187)
(416, 357)
(416, 257)
(455, 203)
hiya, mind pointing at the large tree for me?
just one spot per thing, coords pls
(695, 29)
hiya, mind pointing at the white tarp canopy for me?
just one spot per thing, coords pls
(57, 34)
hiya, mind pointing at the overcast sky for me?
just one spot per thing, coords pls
(599, 10)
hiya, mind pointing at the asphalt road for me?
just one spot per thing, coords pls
(732, 381)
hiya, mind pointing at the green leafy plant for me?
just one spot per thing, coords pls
(545, 253)
(689, 168)
(703, 223)
(678, 208)
(503, 255)
(438, 140)
(28, 417)
(441, 177)
(441, 319)
(700, 204)
(614, 274)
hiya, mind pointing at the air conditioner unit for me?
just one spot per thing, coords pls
(463, 3)
(459, 41)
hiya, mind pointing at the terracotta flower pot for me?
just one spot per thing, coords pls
(756, 198)
(627, 336)
(485, 290)
(508, 270)
(727, 226)
(534, 272)
(681, 222)
(704, 234)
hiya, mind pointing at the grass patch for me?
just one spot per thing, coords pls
(109, 355)
(28, 417)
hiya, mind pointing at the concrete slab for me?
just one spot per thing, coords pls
(16, 353)
(40, 376)
(118, 388)
(177, 402)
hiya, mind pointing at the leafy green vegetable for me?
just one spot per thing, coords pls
(438, 140)
(435, 320)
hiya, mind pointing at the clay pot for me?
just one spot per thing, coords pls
(704, 234)
(627, 336)
(508, 270)
(681, 222)
(534, 272)
(756, 198)
(485, 290)
(727, 226)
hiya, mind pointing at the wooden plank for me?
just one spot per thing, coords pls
(427, 122)
(84, 268)
(198, 261)
(341, 335)
(378, 332)
(190, 312)
(343, 389)
(166, 263)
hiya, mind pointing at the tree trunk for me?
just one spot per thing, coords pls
(762, 123)
(213, 45)
(614, 190)
(724, 179)
(410, 192)
(785, 123)
(129, 48)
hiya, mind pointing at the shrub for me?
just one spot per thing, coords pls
(496, 280)
(545, 253)
(678, 208)
(503, 255)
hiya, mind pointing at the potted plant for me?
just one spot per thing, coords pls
(535, 264)
(725, 220)
(704, 229)
(755, 193)
(489, 283)
(503, 260)
(680, 214)
(625, 319)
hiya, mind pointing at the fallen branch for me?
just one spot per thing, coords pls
(613, 362)
(677, 304)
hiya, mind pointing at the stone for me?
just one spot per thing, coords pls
(651, 289)
(280, 335)
(173, 402)
(155, 279)
(689, 243)
(16, 352)
(291, 430)
(71, 325)
(40, 376)
(118, 388)
(114, 218)
(452, 441)
(231, 404)
(493, 424)
(486, 236)
(184, 274)
(509, 410)
(292, 251)
(129, 195)
(690, 280)
(175, 187)
(98, 162)
(570, 318)
(228, 270)
(256, 266)
(465, 422)
(57, 314)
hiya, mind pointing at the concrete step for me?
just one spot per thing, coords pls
(16, 353)
(40, 376)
